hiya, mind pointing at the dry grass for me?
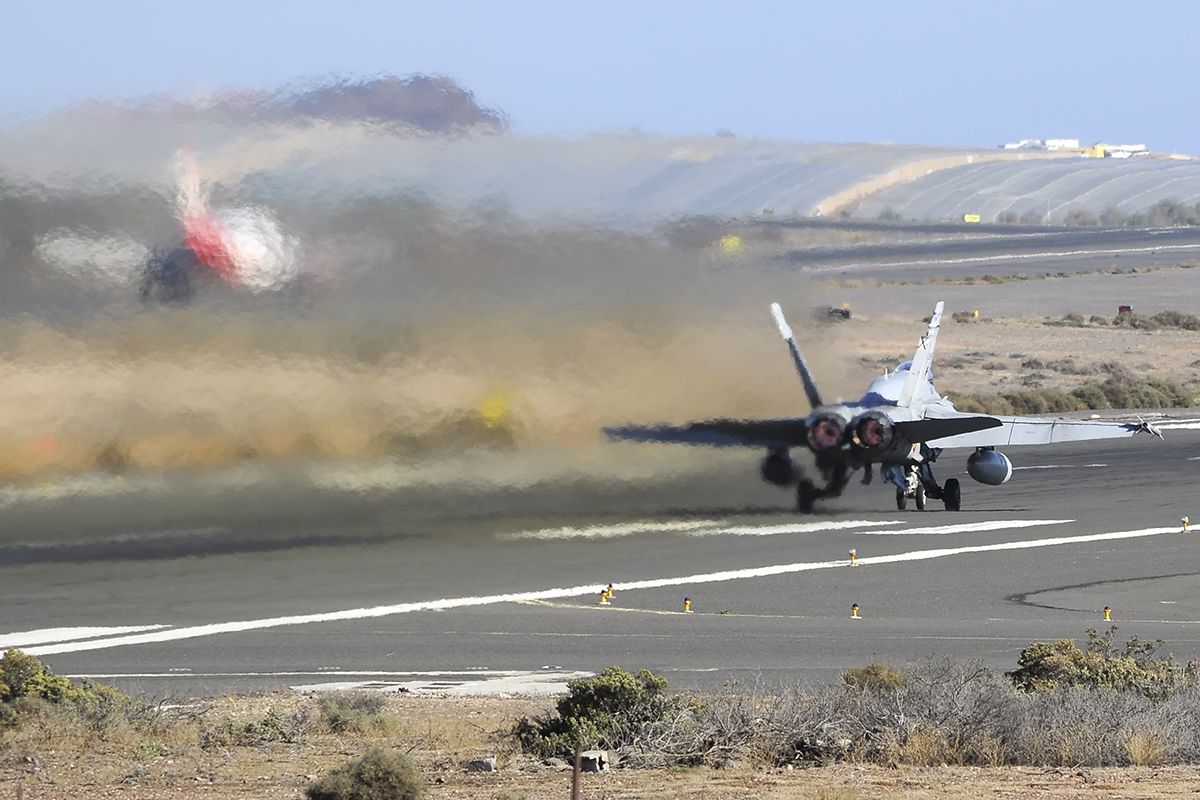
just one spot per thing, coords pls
(1146, 749)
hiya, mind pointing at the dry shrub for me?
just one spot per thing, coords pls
(924, 747)
(988, 750)
(378, 775)
(876, 676)
(1146, 749)
(356, 712)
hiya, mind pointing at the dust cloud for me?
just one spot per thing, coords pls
(189, 308)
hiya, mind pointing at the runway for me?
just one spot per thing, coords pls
(992, 250)
(271, 584)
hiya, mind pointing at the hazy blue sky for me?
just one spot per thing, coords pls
(923, 72)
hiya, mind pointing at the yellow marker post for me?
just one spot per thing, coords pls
(1107, 614)
(1185, 522)
(603, 597)
(730, 244)
(687, 605)
(854, 612)
(854, 558)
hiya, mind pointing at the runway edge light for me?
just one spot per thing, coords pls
(854, 612)
(1185, 522)
(854, 558)
(603, 597)
(1108, 614)
(687, 605)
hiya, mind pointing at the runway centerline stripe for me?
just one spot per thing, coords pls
(970, 527)
(212, 629)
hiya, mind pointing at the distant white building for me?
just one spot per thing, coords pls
(1042, 144)
(1025, 144)
(1062, 144)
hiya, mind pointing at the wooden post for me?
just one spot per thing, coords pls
(575, 776)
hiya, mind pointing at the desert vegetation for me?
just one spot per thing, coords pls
(1064, 705)
(1093, 703)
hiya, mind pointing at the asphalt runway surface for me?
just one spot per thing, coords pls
(199, 587)
(994, 252)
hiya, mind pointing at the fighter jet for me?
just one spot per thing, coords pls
(901, 423)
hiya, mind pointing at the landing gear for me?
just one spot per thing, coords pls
(952, 495)
(916, 480)
(807, 493)
(912, 487)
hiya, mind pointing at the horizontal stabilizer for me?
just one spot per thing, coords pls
(780, 433)
(925, 430)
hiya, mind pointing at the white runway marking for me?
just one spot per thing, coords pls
(610, 531)
(799, 527)
(495, 673)
(1178, 424)
(213, 629)
(1003, 257)
(47, 635)
(1062, 466)
(704, 527)
(970, 527)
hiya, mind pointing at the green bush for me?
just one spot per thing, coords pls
(378, 775)
(1045, 666)
(607, 711)
(28, 690)
(272, 727)
(352, 711)
(23, 675)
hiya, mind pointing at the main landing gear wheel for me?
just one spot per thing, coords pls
(901, 499)
(806, 495)
(952, 495)
(920, 498)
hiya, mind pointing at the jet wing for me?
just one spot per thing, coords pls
(773, 433)
(1011, 431)
(924, 430)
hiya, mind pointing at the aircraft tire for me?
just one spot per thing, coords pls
(952, 495)
(920, 498)
(806, 495)
(901, 499)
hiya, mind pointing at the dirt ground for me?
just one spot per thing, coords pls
(442, 733)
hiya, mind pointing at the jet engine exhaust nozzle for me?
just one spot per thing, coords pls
(872, 431)
(825, 433)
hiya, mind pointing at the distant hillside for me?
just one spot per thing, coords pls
(431, 103)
